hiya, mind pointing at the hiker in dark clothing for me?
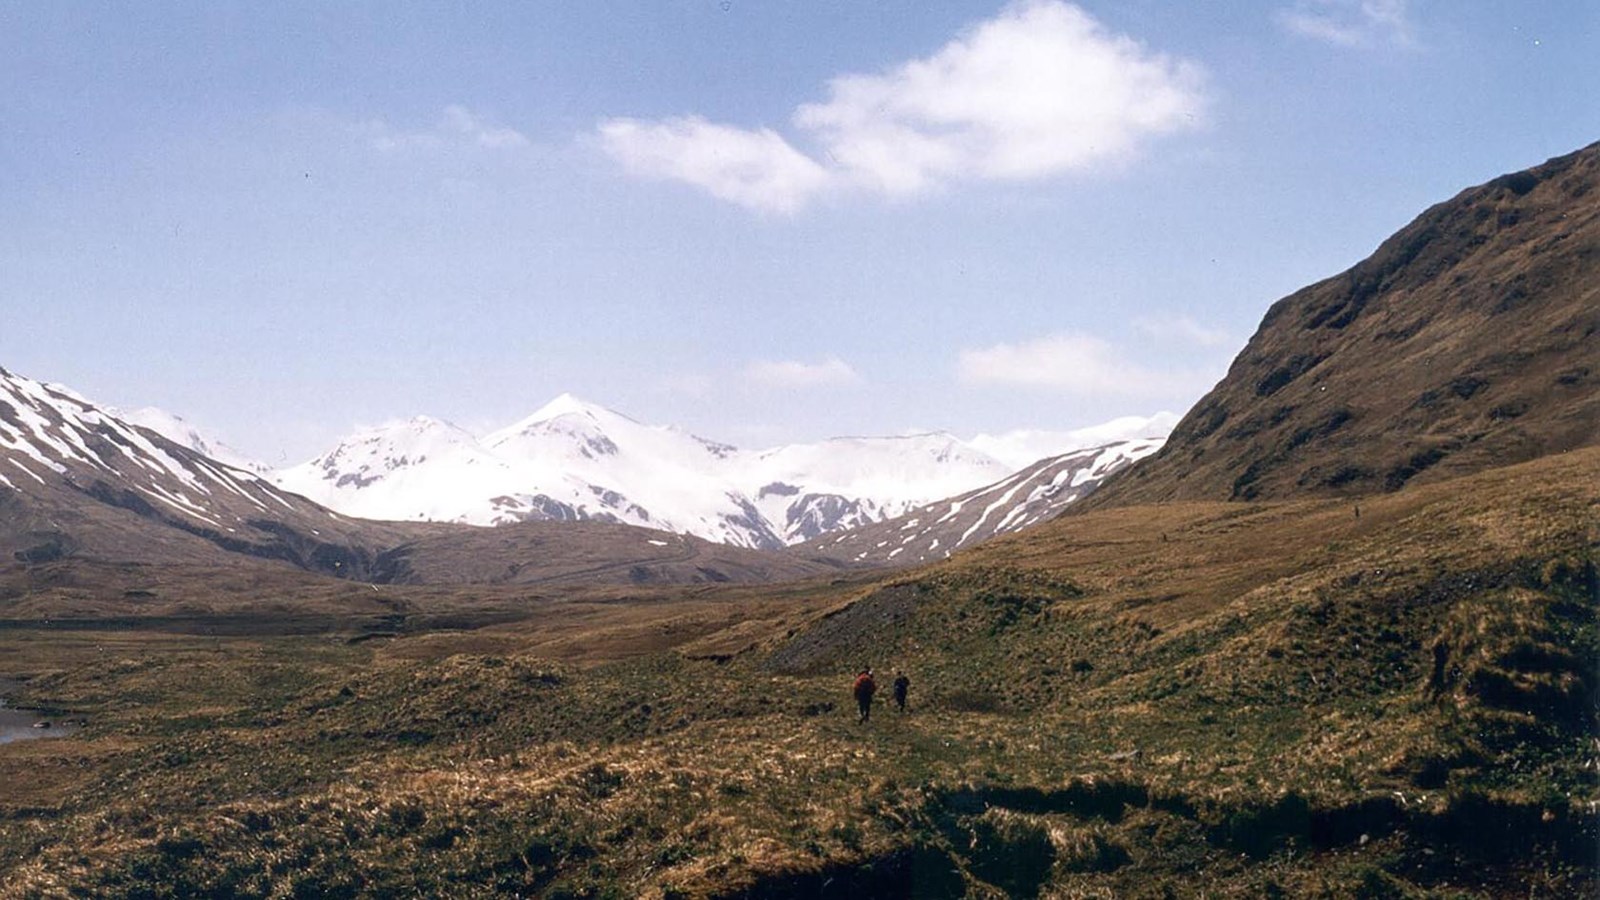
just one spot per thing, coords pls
(902, 685)
(865, 687)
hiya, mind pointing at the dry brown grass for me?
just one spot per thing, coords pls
(1095, 709)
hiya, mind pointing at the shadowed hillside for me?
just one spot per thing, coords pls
(1470, 339)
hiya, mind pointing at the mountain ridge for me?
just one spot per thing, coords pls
(75, 478)
(84, 493)
(1466, 341)
(1033, 495)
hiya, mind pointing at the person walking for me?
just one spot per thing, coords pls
(902, 686)
(864, 688)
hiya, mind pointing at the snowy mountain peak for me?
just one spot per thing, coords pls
(374, 454)
(567, 405)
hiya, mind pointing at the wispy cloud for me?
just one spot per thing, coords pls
(467, 125)
(1071, 362)
(791, 374)
(456, 127)
(1181, 329)
(1350, 23)
(1040, 90)
(757, 169)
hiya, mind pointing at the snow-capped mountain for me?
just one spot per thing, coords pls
(568, 461)
(806, 490)
(74, 477)
(81, 485)
(180, 431)
(1036, 493)
(589, 458)
(577, 461)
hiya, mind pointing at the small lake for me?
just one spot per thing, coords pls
(17, 724)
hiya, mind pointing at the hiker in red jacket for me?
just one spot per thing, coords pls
(864, 689)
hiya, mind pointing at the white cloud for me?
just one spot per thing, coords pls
(460, 121)
(457, 127)
(755, 169)
(1181, 329)
(1072, 362)
(1038, 91)
(788, 373)
(1350, 23)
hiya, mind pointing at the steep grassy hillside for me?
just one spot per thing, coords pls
(1470, 339)
(1284, 699)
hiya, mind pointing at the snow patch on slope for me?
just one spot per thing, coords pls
(58, 430)
(181, 432)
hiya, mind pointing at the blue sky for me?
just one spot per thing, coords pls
(765, 222)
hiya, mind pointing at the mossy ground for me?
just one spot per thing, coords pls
(1247, 701)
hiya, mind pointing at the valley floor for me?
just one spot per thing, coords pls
(1214, 699)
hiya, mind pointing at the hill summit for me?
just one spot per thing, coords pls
(1469, 340)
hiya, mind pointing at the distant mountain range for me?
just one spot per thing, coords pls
(82, 481)
(80, 485)
(576, 461)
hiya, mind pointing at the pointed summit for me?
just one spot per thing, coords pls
(564, 405)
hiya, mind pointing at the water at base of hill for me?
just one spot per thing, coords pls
(19, 724)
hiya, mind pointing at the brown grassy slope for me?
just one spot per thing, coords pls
(1470, 339)
(1230, 699)
(119, 565)
(1178, 567)
(588, 553)
(103, 520)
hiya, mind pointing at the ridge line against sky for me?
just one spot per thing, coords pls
(764, 222)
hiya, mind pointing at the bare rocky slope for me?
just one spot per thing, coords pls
(1470, 339)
